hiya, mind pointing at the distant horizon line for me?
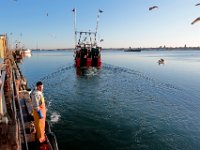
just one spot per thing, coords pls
(122, 48)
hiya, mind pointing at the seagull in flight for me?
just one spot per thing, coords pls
(197, 4)
(196, 20)
(153, 7)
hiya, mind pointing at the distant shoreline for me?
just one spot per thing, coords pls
(122, 49)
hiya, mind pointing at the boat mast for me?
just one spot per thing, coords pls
(97, 25)
(75, 32)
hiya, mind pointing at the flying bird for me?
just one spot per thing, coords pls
(100, 11)
(197, 4)
(52, 35)
(153, 7)
(47, 14)
(196, 20)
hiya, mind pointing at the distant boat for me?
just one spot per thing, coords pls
(26, 52)
(133, 50)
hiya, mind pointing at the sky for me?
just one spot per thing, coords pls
(49, 24)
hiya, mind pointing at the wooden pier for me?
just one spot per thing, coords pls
(16, 121)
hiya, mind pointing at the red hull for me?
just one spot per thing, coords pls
(99, 62)
(78, 62)
(88, 57)
(89, 63)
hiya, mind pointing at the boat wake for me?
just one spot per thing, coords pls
(92, 71)
(55, 74)
(139, 75)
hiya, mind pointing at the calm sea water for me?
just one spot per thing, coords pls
(130, 103)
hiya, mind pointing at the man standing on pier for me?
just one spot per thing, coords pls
(39, 111)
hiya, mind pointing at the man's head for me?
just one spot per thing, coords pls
(39, 86)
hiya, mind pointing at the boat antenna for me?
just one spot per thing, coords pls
(98, 15)
(75, 32)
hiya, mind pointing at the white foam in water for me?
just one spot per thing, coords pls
(49, 103)
(55, 117)
(92, 71)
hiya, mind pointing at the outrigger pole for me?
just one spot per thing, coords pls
(75, 32)
(95, 33)
(97, 25)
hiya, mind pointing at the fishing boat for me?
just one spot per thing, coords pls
(17, 129)
(132, 50)
(87, 53)
(19, 52)
(26, 52)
